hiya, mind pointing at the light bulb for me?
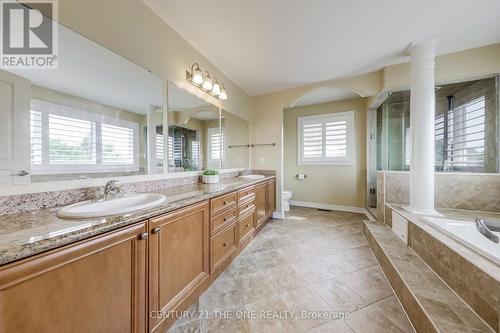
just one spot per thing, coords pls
(223, 94)
(197, 77)
(207, 84)
(216, 89)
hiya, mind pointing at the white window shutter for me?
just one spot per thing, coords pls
(326, 139)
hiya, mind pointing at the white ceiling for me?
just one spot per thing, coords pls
(325, 95)
(270, 45)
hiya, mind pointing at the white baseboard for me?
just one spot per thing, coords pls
(341, 208)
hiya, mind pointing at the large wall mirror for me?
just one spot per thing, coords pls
(194, 137)
(236, 139)
(97, 115)
(203, 137)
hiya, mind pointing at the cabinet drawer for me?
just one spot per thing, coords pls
(245, 207)
(223, 245)
(222, 203)
(245, 225)
(246, 193)
(220, 221)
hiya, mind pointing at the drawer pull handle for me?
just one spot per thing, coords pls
(248, 225)
(143, 236)
(225, 202)
(225, 244)
(156, 230)
(225, 219)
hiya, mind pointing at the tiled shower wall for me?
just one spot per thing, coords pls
(452, 190)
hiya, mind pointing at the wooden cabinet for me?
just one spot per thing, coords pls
(96, 285)
(178, 258)
(222, 220)
(271, 197)
(223, 245)
(223, 203)
(134, 279)
(246, 225)
(260, 203)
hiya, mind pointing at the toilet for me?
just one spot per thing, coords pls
(287, 195)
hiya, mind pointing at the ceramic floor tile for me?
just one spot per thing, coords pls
(285, 278)
(244, 264)
(370, 283)
(311, 310)
(381, 317)
(315, 264)
(322, 268)
(254, 287)
(225, 325)
(359, 258)
(272, 315)
(190, 327)
(221, 295)
(270, 258)
(336, 326)
(340, 297)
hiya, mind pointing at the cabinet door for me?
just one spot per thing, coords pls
(260, 203)
(96, 285)
(15, 164)
(178, 259)
(271, 197)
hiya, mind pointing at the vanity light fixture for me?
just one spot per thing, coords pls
(223, 93)
(196, 74)
(216, 88)
(206, 83)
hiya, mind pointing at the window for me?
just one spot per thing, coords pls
(215, 144)
(160, 149)
(68, 140)
(326, 139)
(117, 145)
(465, 131)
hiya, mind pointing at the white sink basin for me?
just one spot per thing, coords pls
(252, 177)
(126, 204)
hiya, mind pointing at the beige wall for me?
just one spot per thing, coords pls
(453, 67)
(326, 184)
(131, 29)
(266, 125)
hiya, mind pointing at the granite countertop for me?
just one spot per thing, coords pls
(25, 234)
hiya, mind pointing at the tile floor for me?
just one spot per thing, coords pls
(311, 272)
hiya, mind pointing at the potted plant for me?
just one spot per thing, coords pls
(210, 176)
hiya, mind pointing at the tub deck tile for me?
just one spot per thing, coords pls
(431, 304)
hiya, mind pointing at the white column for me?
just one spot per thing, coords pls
(422, 122)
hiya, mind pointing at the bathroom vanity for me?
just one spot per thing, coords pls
(131, 273)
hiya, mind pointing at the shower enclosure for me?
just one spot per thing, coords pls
(466, 131)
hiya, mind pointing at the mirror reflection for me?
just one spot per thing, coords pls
(194, 138)
(236, 134)
(89, 118)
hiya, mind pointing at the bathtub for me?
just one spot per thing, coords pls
(467, 234)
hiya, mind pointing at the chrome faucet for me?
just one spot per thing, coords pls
(112, 189)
